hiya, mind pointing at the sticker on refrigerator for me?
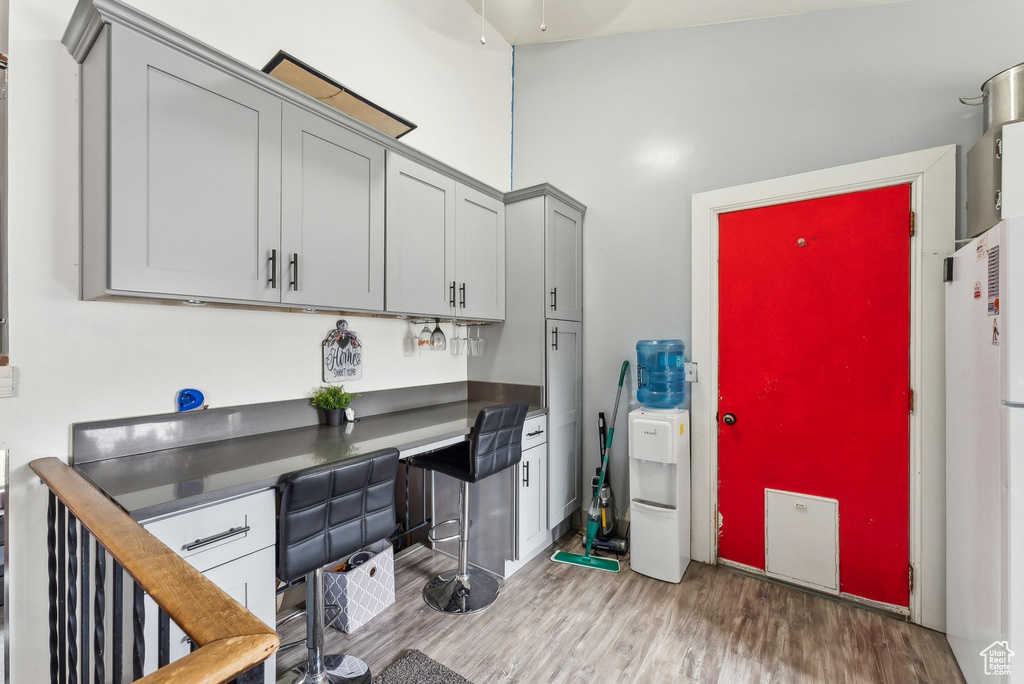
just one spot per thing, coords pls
(977, 289)
(981, 249)
(993, 281)
(995, 332)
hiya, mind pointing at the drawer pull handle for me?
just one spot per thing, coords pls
(799, 505)
(534, 434)
(213, 539)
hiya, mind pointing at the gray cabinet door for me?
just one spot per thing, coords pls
(563, 270)
(420, 250)
(479, 254)
(532, 499)
(332, 213)
(195, 177)
(565, 398)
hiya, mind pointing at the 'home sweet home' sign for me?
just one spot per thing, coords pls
(343, 355)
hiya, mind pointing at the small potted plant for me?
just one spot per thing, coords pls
(332, 400)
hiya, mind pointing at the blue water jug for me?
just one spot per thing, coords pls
(660, 373)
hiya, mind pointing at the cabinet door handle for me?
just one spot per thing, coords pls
(526, 473)
(462, 295)
(295, 271)
(214, 538)
(554, 299)
(273, 269)
(451, 301)
(535, 433)
(554, 338)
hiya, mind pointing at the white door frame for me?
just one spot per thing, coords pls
(932, 176)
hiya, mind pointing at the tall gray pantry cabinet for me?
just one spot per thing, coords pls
(541, 341)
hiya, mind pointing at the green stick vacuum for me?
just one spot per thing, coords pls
(594, 512)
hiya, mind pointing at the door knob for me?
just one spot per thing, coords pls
(729, 419)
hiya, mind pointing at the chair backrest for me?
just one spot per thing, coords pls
(497, 439)
(333, 511)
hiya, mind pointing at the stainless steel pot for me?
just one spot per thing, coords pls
(1003, 97)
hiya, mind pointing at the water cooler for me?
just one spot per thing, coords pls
(659, 489)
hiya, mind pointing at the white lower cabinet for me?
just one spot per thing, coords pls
(532, 533)
(233, 544)
(533, 508)
(250, 581)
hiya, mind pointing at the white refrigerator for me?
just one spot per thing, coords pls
(985, 455)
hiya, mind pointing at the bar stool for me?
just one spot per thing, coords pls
(328, 513)
(495, 444)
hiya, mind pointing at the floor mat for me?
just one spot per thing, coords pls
(415, 668)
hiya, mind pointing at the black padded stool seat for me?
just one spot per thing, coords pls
(327, 513)
(495, 444)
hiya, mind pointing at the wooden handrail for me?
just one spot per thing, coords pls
(230, 639)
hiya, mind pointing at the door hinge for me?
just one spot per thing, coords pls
(910, 576)
(910, 394)
(913, 217)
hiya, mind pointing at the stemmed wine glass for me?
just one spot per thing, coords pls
(476, 343)
(437, 338)
(458, 343)
(424, 339)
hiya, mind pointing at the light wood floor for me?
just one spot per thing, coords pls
(559, 623)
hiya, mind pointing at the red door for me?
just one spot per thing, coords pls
(814, 363)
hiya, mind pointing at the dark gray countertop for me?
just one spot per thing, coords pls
(161, 482)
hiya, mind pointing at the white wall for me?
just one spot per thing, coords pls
(78, 361)
(633, 125)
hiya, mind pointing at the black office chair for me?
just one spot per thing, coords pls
(495, 444)
(326, 514)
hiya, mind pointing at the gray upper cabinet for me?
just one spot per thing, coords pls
(420, 239)
(563, 260)
(479, 254)
(205, 179)
(332, 210)
(195, 174)
(445, 245)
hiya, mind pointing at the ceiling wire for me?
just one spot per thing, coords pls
(543, 15)
(483, 40)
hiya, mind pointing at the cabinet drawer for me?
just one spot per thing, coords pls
(535, 431)
(212, 535)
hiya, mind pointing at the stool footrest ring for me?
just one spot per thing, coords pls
(457, 535)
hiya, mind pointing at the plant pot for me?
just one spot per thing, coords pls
(334, 416)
